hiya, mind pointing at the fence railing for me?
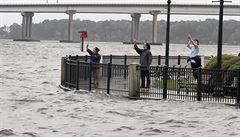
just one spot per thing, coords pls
(126, 60)
(180, 84)
(175, 82)
(77, 74)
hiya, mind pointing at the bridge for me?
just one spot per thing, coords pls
(135, 10)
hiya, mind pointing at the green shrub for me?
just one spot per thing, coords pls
(212, 64)
(229, 62)
(226, 64)
(236, 65)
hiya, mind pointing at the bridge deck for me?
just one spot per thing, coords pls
(121, 8)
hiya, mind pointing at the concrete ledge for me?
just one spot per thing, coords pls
(28, 40)
(67, 41)
(142, 43)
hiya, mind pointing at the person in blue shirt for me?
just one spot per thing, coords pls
(95, 58)
(193, 45)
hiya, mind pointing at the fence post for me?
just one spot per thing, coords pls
(86, 58)
(66, 70)
(165, 78)
(125, 66)
(110, 59)
(77, 75)
(134, 80)
(179, 60)
(199, 85)
(90, 76)
(159, 59)
(238, 86)
(70, 75)
(125, 59)
(85, 68)
(109, 70)
(203, 61)
(63, 68)
(76, 57)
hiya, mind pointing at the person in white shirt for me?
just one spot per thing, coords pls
(193, 45)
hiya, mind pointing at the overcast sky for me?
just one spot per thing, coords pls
(10, 18)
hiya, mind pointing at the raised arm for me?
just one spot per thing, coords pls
(189, 43)
(89, 51)
(191, 40)
(139, 51)
(194, 44)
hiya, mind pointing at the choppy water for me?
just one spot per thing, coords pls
(32, 104)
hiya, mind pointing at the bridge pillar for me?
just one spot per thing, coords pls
(154, 29)
(135, 27)
(27, 25)
(70, 24)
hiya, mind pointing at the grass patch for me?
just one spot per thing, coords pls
(174, 84)
(171, 84)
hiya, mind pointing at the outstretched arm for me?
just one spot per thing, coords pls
(189, 43)
(139, 51)
(89, 51)
(191, 40)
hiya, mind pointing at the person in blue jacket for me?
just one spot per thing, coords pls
(95, 58)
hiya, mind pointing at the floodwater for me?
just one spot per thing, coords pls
(33, 105)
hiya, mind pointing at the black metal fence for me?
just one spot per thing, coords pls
(77, 74)
(175, 82)
(179, 84)
(157, 60)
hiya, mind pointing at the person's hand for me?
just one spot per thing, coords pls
(134, 42)
(189, 36)
(87, 46)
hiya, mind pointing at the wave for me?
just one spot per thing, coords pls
(7, 132)
(153, 131)
(26, 100)
(30, 134)
(124, 128)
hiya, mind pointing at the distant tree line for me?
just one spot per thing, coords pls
(118, 31)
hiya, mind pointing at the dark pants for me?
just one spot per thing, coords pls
(195, 65)
(145, 74)
(195, 73)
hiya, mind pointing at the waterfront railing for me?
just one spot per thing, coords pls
(118, 76)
